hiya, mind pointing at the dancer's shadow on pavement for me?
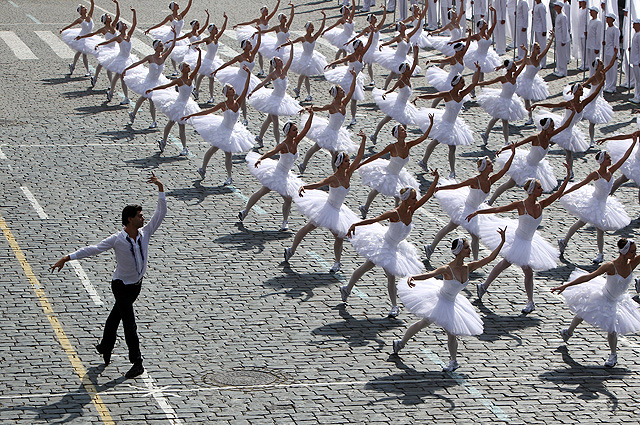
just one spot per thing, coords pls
(72, 406)
(497, 327)
(250, 240)
(585, 382)
(196, 194)
(154, 161)
(359, 332)
(412, 386)
(301, 285)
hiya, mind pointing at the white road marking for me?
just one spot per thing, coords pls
(91, 290)
(57, 45)
(4, 158)
(141, 47)
(158, 394)
(34, 19)
(21, 50)
(12, 3)
(34, 202)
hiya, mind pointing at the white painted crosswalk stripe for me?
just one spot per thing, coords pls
(17, 46)
(56, 44)
(139, 46)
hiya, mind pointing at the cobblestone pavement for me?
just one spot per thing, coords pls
(230, 333)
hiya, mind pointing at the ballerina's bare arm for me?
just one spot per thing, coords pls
(117, 17)
(339, 61)
(563, 104)
(245, 89)
(275, 10)
(251, 22)
(91, 7)
(113, 40)
(322, 183)
(634, 262)
(318, 33)
(356, 161)
(414, 65)
(278, 149)
(365, 30)
(612, 61)
(206, 23)
(384, 18)
(256, 47)
(542, 54)
(392, 89)
(495, 22)
(517, 205)
(442, 94)
(424, 135)
(352, 90)
(382, 217)
(291, 15)
(544, 203)
(395, 39)
(267, 80)
(101, 31)
(607, 268)
(164, 21)
(424, 276)
(168, 50)
(594, 93)
(430, 191)
(620, 137)
(473, 265)
(522, 67)
(474, 81)
(499, 79)
(375, 156)
(172, 83)
(194, 73)
(222, 29)
(207, 111)
(140, 62)
(564, 126)
(615, 167)
(307, 125)
(497, 176)
(330, 27)
(287, 65)
(186, 10)
(134, 23)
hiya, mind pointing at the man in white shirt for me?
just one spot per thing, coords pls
(432, 14)
(563, 41)
(499, 32)
(131, 248)
(611, 42)
(511, 15)
(566, 9)
(579, 31)
(634, 59)
(522, 23)
(479, 10)
(539, 27)
(445, 5)
(594, 39)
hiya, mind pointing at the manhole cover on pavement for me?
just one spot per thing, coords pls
(241, 377)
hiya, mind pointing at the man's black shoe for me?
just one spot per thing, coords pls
(136, 370)
(106, 355)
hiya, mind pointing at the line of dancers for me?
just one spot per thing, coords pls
(603, 302)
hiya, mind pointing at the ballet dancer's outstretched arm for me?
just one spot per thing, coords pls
(474, 265)
(542, 54)
(505, 208)
(497, 176)
(423, 137)
(186, 10)
(287, 65)
(544, 203)
(400, 80)
(167, 52)
(495, 22)
(384, 18)
(117, 17)
(318, 33)
(307, 125)
(352, 89)
(194, 73)
(593, 94)
(382, 217)
(375, 156)
(134, 23)
(275, 10)
(206, 23)
(474, 81)
(608, 268)
(291, 15)
(635, 134)
(340, 21)
(356, 161)
(430, 191)
(91, 8)
(615, 167)
(223, 28)
(168, 18)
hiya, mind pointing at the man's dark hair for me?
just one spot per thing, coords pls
(128, 212)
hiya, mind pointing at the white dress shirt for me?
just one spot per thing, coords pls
(634, 55)
(594, 34)
(611, 40)
(539, 18)
(562, 29)
(522, 15)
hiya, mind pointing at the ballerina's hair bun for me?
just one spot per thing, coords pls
(595, 63)
(458, 47)
(172, 5)
(450, 13)
(280, 16)
(395, 130)
(104, 17)
(155, 43)
(339, 159)
(455, 80)
(545, 123)
(119, 26)
(243, 43)
(225, 88)
(79, 8)
(481, 23)
(182, 65)
(192, 23)
(600, 156)
(457, 245)
(508, 64)
(575, 87)
(403, 67)
(482, 163)
(307, 25)
(530, 185)
(370, 17)
(264, 9)
(343, 9)
(287, 127)
(356, 43)
(211, 27)
(406, 192)
(624, 245)
(333, 91)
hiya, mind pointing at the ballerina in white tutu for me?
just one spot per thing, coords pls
(210, 62)
(247, 31)
(442, 43)
(177, 106)
(330, 134)
(117, 60)
(441, 79)
(631, 167)
(274, 102)
(327, 210)
(599, 111)
(272, 48)
(389, 177)
(571, 139)
(459, 200)
(416, 20)
(439, 302)
(525, 247)
(449, 128)
(391, 59)
(594, 205)
(277, 175)
(187, 52)
(236, 76)
(373, 29)
(163, 32)
(530, 86)
(339, 37)
(343, 76)
(503, 104)
(142, 79)
(107, 32)
(308, 62)
(396, 106)
(70, 37)
(604, 302)
(224, 133)
(386, 247)
(482, 52)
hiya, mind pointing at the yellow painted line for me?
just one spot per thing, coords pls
(57, 327)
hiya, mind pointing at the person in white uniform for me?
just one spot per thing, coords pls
(500, 33)
(594, 39)
(611, 42)
(634, 59)
(539, 27)
(579, 28)
(563, 40)
(522, 24)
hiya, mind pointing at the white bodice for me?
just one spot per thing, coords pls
(229, 118)
(416, 37)
(404, 93)
(335, 121)
(451, 288)
(456, 33)
(536, 154)
(194, 39)
(508, 89)
(212, 50)
(527, 226)
(337, 195)
(451, 111)
(280, 86)
(86, 27)
(155, 71)
(125, 48)
(347, 28)
(109, 35)
(577, 117)
(356, 66)
(530, 72)
(249, 65)
(402, 49)
(397, 232)
(263, 26)
(396, 164)
(177, 25)
(286, 161)
(455, 69)
(308, 47)
(281, 38)
(184, 91)
(616, 286)
(602, 188)
(475, 198)
(483, 46)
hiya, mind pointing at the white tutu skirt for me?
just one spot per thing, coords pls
(264, 100)
(631, 167)
(165, 35)
(285, 182)
(326, 137)
(571, 139)
(403, 112)
(388, 59)
(168, 103)
(440, 43)
(599, 111)
(589, 302)
(235, 140)
(605, 215)
(536, 253)
(314, 205)
(399, 260)
(236, 77)
(337, 37)
(138, 80)
(248, 32)
(456, 133)
(488, 62)
(505, 108)
(84, 45)
(209, 65)
(341, 76)
(457, 316)
(441, 80)
(112, 60)
(521, 170)
(532, 88)
(377, 176)
(309, 65)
